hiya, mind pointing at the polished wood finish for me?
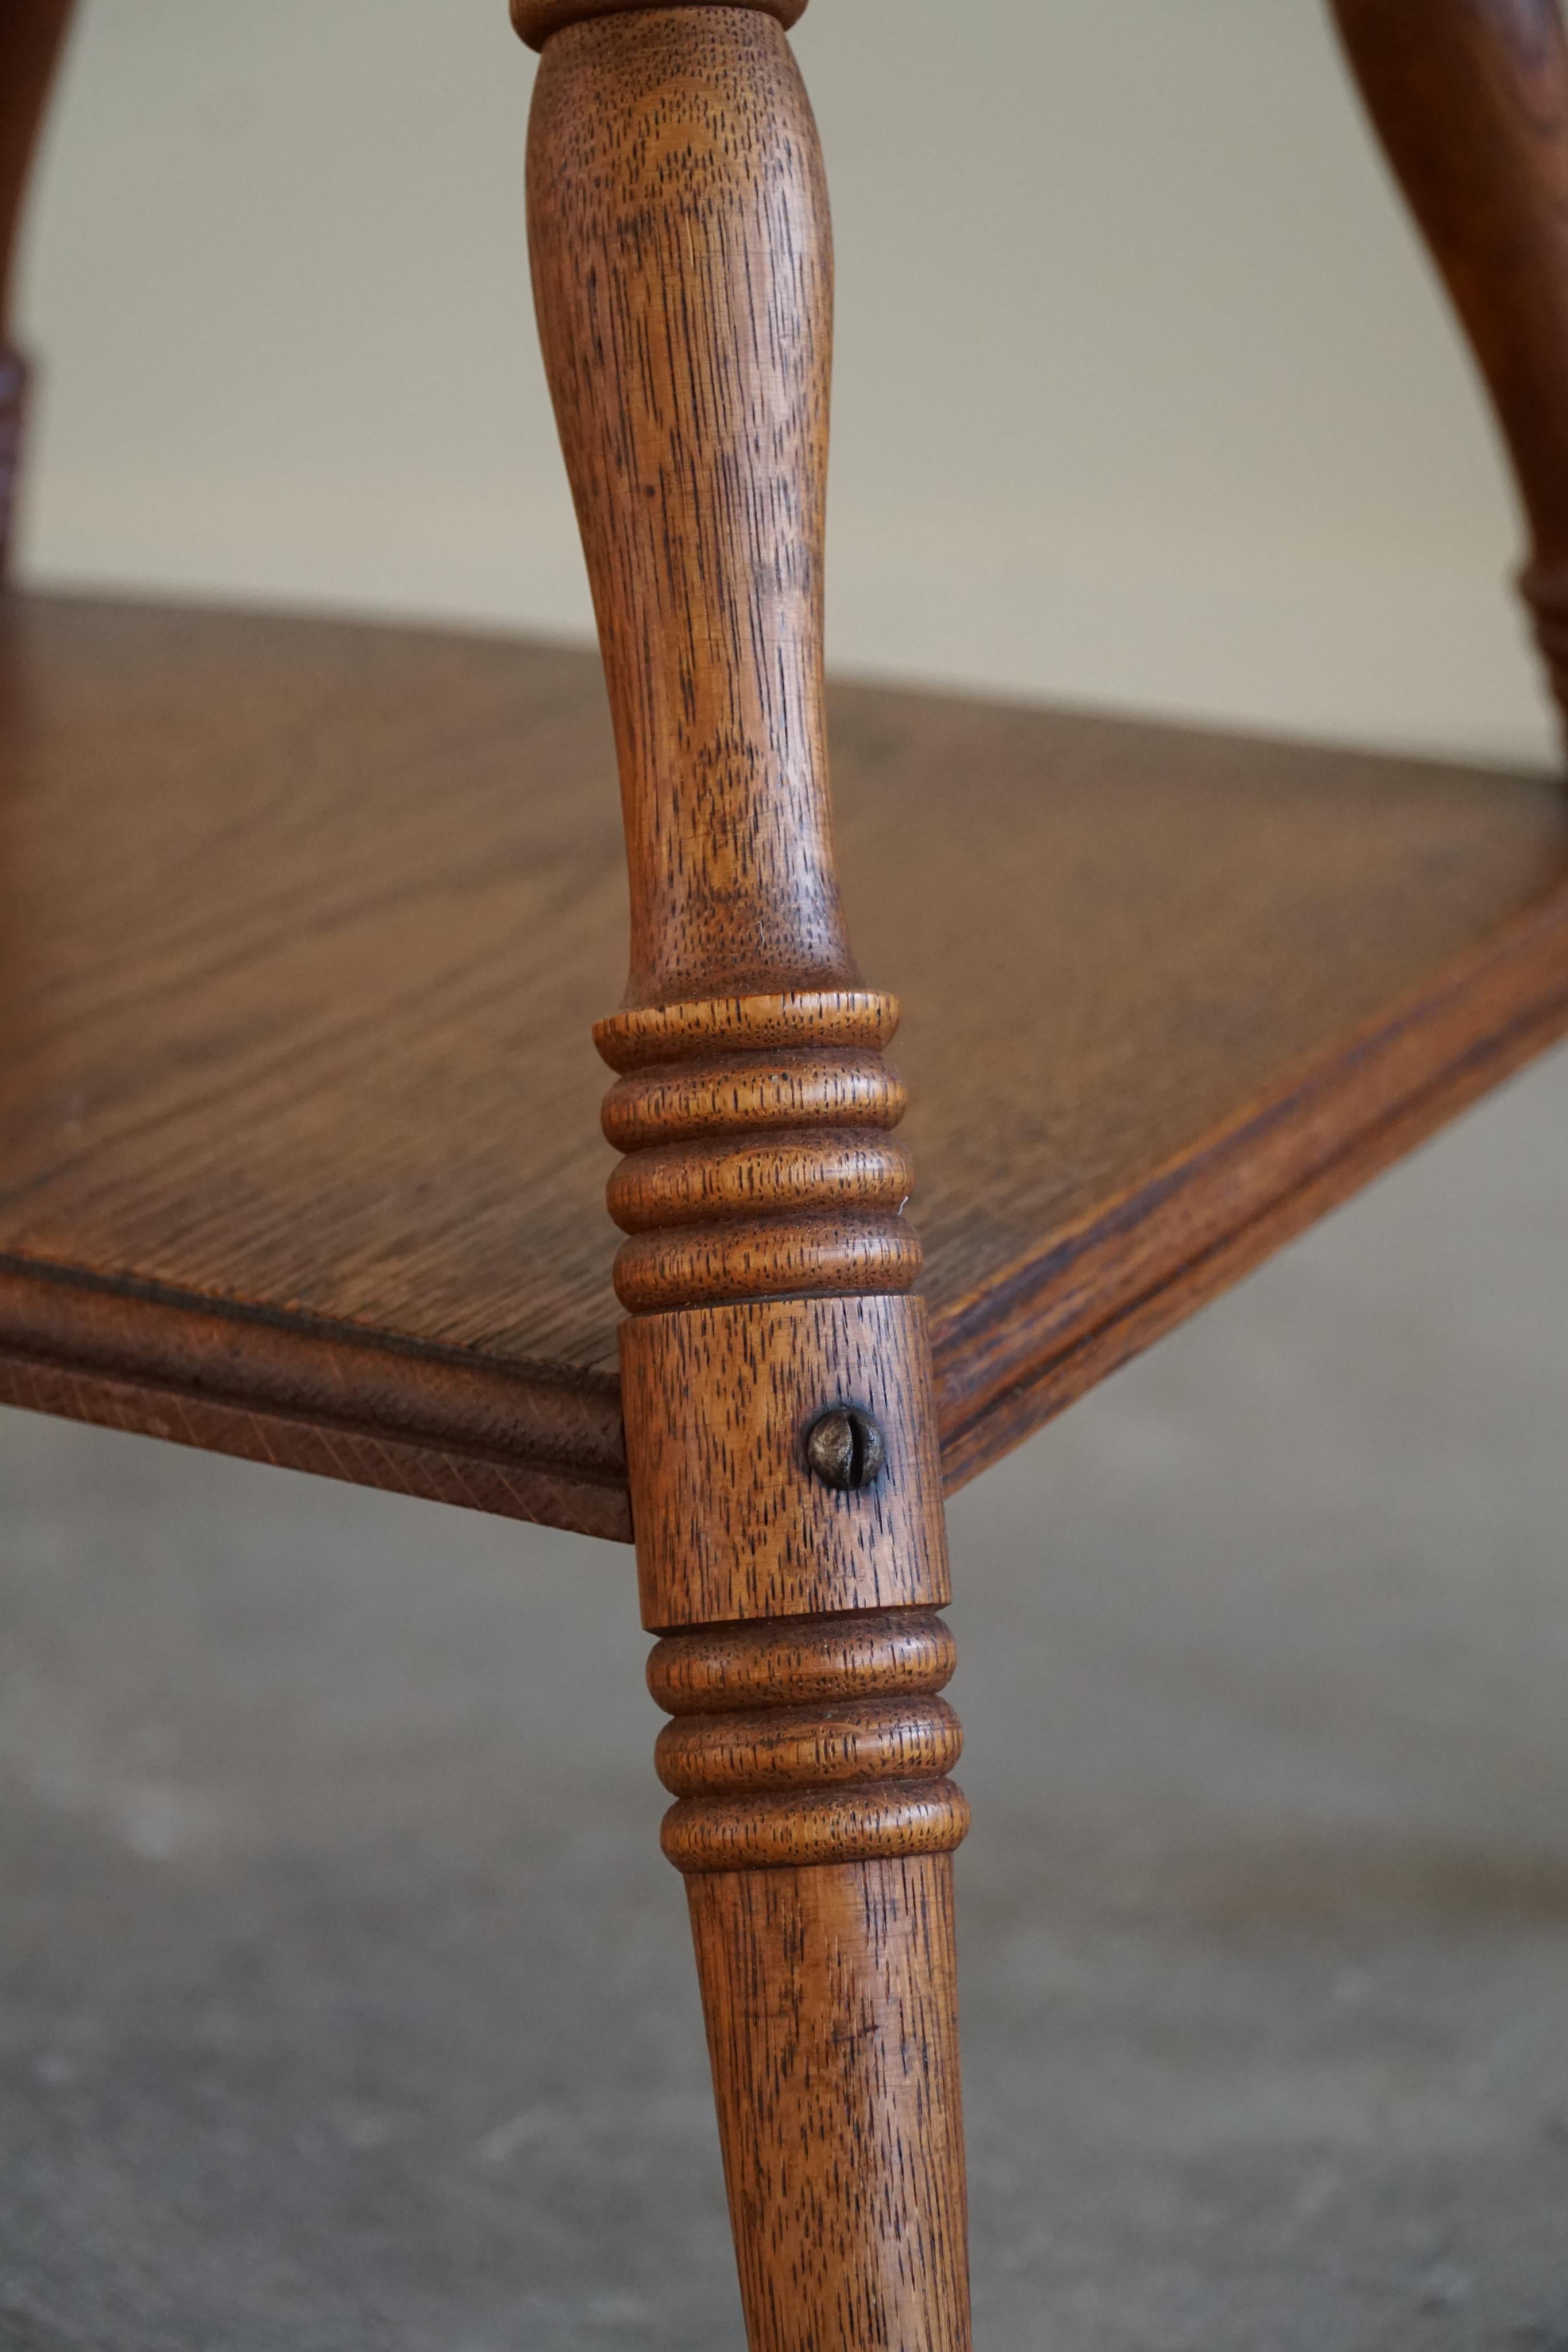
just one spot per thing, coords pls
(681, 272)
(315, 1396)
(815, 2124)
(759, 1151)
(31, 35)
(807, 1740)
(536, 20)
(730, 1519)
(304, 926)
(682, 278)
(1470, 100)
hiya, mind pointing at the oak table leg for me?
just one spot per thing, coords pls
(1470, 100)
(31, 33)
(786, 1486)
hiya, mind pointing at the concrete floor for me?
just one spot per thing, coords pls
(346, 1999)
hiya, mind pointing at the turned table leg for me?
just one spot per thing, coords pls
(31, 33)
(1470, 100)
(785, 1480)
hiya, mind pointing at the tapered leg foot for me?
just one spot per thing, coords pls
(831, 2002)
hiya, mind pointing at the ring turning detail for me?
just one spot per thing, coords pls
(822, 1738)
(760, 1160)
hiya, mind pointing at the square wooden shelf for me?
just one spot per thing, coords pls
(304, 923)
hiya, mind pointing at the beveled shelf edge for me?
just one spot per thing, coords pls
(1013, 1355)
(526, 1443)
(545, 1446)
(363, 1458)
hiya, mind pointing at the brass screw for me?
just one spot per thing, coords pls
(846, 1449)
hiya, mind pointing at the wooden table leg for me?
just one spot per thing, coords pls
(785, 1480)
(1470, 100)
(31, 34)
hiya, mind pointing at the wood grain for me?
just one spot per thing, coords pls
(31, 35)
(811, 1661)
(673, 163)
(305, 924)
(833, 2032)
(1470, 100)
(512, 1484)
(536, 20)
(316, 1397)
(1023, 1348)
(683, 277)
(758, 1168)
(730, 1521)
(807, 1740)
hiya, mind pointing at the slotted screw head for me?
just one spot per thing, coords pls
(846, 1449)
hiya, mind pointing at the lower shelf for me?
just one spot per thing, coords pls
(303, 925)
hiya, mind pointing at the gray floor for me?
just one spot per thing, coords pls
(345, 1999)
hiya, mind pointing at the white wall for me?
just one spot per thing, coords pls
(1144, 393)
